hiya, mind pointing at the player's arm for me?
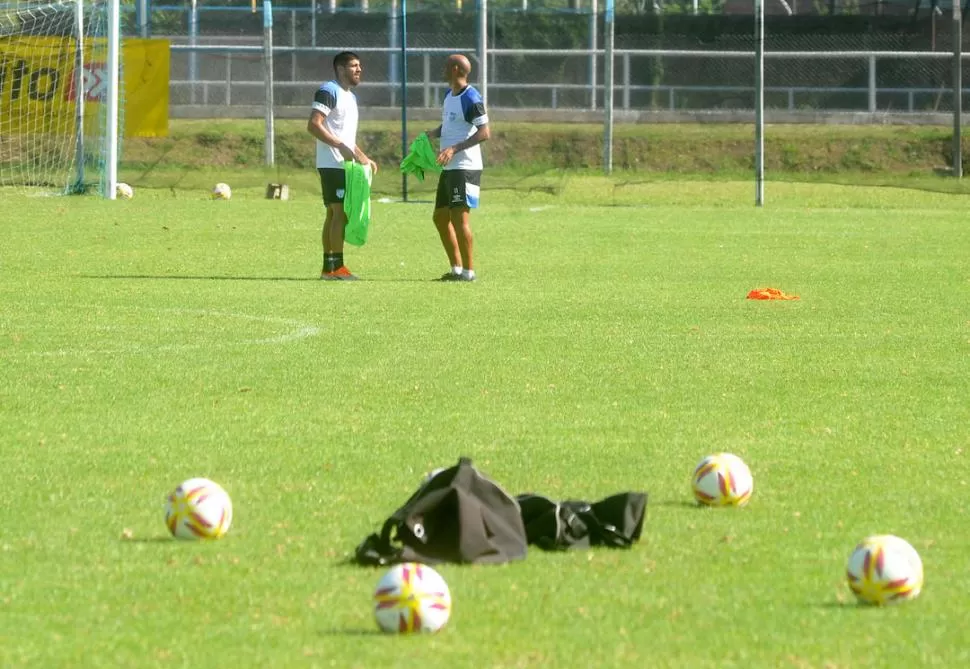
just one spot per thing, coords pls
(481, 134)
(316, 127)
(363, 159)
(434, 134)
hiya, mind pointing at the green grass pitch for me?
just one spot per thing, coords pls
(607, 346)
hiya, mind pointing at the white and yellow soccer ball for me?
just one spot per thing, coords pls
(198, 509)
(411, 598)
(884, 569)
(722, 479)
(123, 191)
(221, 191)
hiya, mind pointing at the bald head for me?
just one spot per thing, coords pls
(461, 63)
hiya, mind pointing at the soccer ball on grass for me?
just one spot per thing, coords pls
(722, 479)
(411, 598)
(221, 191)
(123, 191)
(198, 509)
(884, 569)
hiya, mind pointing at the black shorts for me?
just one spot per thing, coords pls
(333, 181)
(458, 188)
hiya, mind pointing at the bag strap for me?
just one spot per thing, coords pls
(376, 550)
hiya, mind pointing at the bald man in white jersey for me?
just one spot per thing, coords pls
(333, 121)
(464, 126)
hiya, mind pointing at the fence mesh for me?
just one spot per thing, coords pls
(710, 71)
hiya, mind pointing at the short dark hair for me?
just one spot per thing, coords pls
(343, 58)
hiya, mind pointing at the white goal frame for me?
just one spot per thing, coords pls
(63, 165)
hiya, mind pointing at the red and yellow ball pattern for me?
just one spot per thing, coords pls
(884, 569)
(411, 598)
(198, 509)
(722, 479)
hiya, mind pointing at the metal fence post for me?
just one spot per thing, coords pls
(268, 68)
(610, 35)
(426, 79)
(626, 81)
(313, 22)
(193, 41)
(143, 18)
(594, 11)
(392, 43)
(872, 84)
(957, 90)
(483, 49)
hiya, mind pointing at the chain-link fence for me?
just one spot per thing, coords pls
(883, 58)
(542, 65)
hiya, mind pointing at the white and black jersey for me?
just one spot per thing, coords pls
(339, 106)
(461, 116)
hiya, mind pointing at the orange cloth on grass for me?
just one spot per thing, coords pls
(770, 294)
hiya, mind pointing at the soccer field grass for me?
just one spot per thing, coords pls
(603, 349)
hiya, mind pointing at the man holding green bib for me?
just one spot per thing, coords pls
(333, 122)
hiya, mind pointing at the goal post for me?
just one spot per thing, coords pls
(56, 86)
(109, 180)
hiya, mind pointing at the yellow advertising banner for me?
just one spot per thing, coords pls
(38, 85)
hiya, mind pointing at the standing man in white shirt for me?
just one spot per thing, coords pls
(333, 122)
(464, 126)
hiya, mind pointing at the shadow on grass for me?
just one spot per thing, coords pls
(151, 277)
(848, 605)
(148, 540)
(352, 631)
(199, 278)
(677, 503)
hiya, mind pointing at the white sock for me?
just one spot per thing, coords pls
(468, 274)
(456, 269)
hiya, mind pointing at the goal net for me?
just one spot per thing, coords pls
(52, 82)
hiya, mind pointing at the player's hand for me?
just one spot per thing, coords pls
(446, 155)
(373, 166)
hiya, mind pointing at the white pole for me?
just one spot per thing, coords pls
(143, 18)
(957, 90)
(268, 73)
(404, 93)
(313, 22)
(483, 49)
(392, 43)
(112, 93)
(79, 92)
(193, 56)
(759, 103)
(872, 84)
(293, 74)
(608, 89)
(593, 16)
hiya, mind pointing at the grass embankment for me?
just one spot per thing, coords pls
(199, 152)
(692, 149)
